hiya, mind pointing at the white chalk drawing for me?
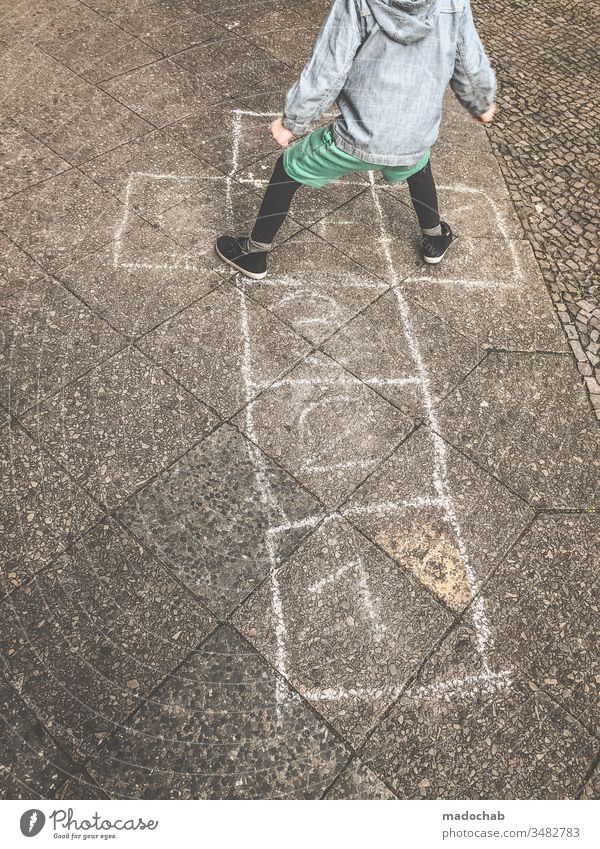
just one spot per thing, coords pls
(488, 679)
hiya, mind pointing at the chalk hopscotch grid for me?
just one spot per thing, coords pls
(488, 679)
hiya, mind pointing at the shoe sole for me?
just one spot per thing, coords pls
(433, 260)
(241, 270)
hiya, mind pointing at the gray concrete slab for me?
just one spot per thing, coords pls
(231, 65)
(358, 782)
(372, 348)
(283, 752)
(552, 628)
(167, 27)
(31, 764)
(401, 508)
(140, 280)
(216, 206)
(323, 292)
(336, 430)
(59, 219)
(524, 417)
(49, 337)
(119, 425)
(91, 46)
(150, 174)
(224, 348)
(349, 629)
(511, 742)
(42, 509)
(24, 160)
(91, 636)
(162, 92)
(68, 121)
(211, 518)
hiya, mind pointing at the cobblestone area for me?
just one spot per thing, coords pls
(333, 534)
(546, 141)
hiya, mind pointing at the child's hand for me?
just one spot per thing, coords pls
(488, 116)
(282, 136)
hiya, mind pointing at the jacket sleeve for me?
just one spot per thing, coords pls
(325, 72)
(473, 81)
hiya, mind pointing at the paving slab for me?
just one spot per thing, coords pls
(28, 76)
(210, 517)
(59, 219)
(231, 65)
(375, 348)
(496, 265)
(109, 8)
(41, 509)
(325, 426)
(507, 399)
(243, 748)
(24, 160)
(398, 508)
(389, 232)
(151, 174)
(358, 782)
(140, 280)
(515, 314)
(91, 46)
(119, 425)
(91, 636)
(475, 169)
(29, 19)
(49, 337)
(168, 27)
(313, 286)
(347, 628)
(592, 787)
(292, 46)
(542, 602)
(311, 9)
(256, 18)
(81, 787)
(224, 348)
(209, 134)
(68, 122)
(162, 92)
(31, 764)
(501, 742)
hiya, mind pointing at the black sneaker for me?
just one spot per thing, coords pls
(433, 248)
(233, 251)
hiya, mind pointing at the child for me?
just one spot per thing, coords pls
(387, 64)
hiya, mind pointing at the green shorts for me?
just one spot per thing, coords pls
(317, 160)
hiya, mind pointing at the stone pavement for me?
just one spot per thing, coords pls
(545, 139)
(333, 534)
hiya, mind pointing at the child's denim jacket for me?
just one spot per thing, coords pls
(387, 64)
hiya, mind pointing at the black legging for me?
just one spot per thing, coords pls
(281, 190)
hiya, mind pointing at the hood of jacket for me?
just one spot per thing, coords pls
(405, 21)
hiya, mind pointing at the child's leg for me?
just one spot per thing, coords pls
(274, 207)
(248, 254)
(424, 200)
(437, 235)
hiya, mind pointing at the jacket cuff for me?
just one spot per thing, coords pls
(294, 127)
(481, 106)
